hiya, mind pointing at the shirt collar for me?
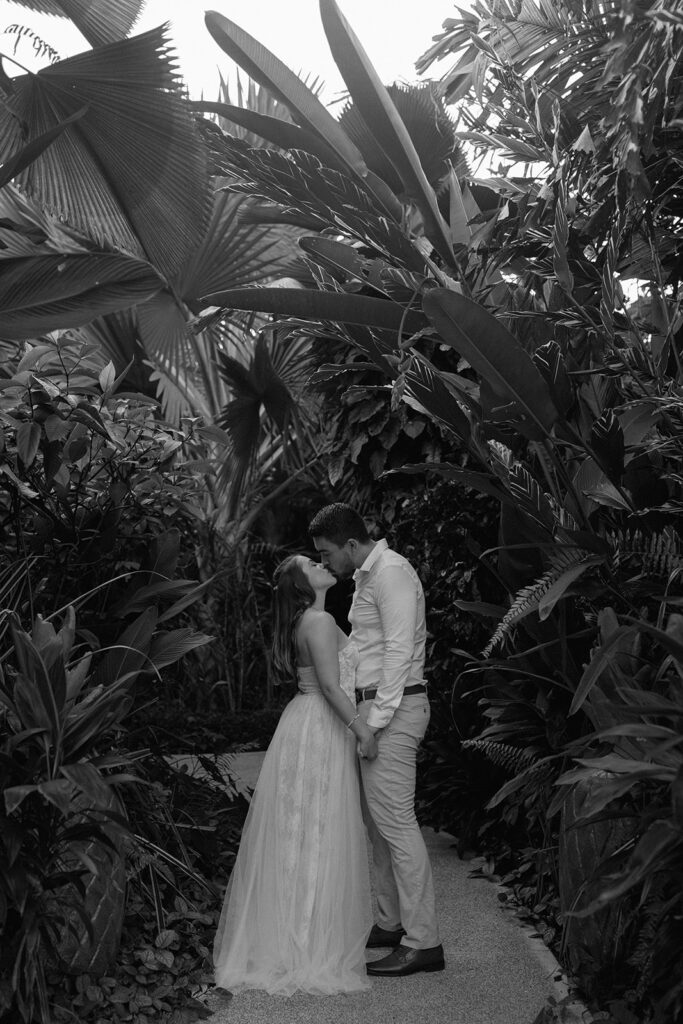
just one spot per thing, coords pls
(380, 546)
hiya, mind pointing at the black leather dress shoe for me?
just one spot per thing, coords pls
(384, 937)
(405, 960)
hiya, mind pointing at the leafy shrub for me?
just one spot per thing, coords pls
(57, 771)
(185, 835)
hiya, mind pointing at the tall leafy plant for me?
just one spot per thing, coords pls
(58, 777)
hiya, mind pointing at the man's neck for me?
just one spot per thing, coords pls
(362, 552)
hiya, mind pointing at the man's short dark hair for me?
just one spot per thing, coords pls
(339, 523)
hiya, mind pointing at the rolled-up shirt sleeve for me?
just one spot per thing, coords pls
(397, 602)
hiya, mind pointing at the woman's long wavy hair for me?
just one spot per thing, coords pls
(293, 595)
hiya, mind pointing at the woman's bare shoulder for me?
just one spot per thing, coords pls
(314, 619)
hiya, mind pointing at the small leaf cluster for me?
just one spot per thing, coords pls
(161, 976)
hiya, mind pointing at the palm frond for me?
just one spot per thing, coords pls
(100, 21)
(429, 126)
(233, 253)
(133, 171)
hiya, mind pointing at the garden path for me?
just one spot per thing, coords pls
(496, 972)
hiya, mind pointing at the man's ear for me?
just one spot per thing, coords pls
(353, 544)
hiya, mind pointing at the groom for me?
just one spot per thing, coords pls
(388, 626)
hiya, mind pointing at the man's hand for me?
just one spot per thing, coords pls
(368, 748)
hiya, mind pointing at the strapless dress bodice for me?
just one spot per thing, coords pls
(348, 660)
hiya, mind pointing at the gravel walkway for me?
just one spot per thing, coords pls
(495, 972)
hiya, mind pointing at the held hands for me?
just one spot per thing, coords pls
(367, 747)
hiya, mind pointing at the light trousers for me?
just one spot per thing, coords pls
(403, 874)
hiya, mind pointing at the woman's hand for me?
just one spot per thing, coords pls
(367, 747)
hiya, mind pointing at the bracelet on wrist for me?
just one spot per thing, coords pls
(349, 724)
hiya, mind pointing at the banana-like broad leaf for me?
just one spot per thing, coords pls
(100, 21)
(133, 170)
(306, 304)
(265, 68)
(497, 356)
(380, 114)
(44, 293)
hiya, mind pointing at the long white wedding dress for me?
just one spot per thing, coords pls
(297, 912)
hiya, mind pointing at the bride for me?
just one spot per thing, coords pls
(297, 914)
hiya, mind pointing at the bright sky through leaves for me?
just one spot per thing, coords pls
(394, 33)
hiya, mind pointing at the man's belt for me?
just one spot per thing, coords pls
(369, 694)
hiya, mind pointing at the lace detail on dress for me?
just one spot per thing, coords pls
(348, 663)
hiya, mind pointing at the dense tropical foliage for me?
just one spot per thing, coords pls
(534, 315)
(475, 335)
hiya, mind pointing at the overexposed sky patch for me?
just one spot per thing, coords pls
(393, 32)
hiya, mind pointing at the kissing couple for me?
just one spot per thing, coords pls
(297, 912)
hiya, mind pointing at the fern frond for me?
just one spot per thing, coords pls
(657, 554)
(511, 759)
(529, 598)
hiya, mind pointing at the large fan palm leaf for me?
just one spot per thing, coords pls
(99, 21)
(132, 171)
(52, 277)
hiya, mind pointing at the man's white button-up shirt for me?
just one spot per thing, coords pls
(388, 626)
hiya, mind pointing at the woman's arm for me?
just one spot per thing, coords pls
(317, 637)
